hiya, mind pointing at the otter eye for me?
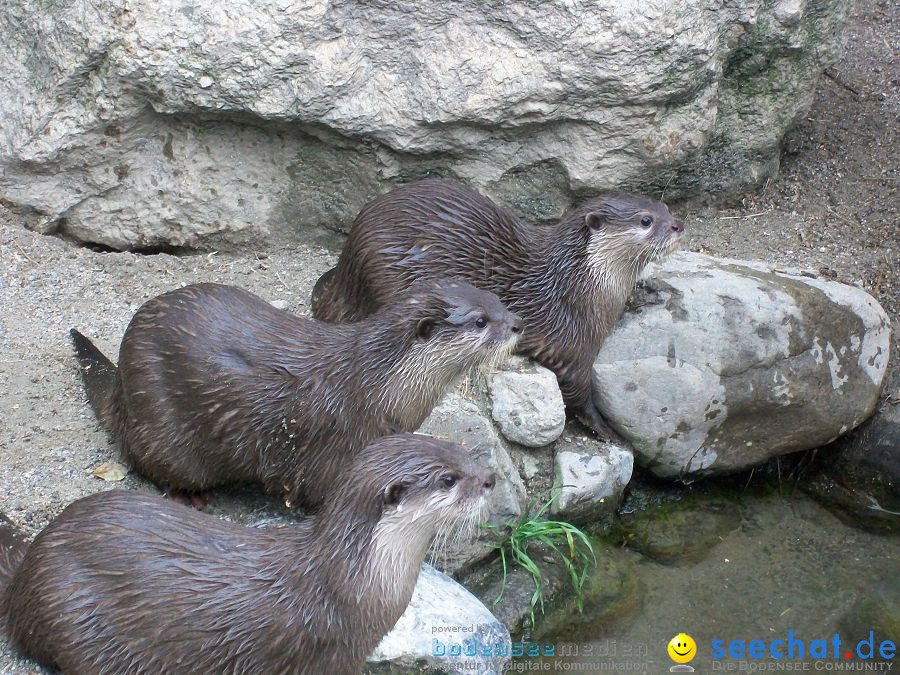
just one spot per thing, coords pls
(647, 221)
(448, 480)
(481, 322)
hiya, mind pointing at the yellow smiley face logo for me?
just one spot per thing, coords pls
(682, 648)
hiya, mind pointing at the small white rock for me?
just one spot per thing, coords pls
(588, 485)
(527, 404)
(444, 616)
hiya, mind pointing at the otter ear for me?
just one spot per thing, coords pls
(594, 220)
(425, 328)
(394, 493)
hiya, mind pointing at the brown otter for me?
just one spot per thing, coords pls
(569, 282)
(215, 385)
(128, 583)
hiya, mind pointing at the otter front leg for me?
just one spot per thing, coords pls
(590, 417)
(578, 396)
(198, 500)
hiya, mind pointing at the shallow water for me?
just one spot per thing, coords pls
(791, 565)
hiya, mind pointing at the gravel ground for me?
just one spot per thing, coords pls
(833, 210)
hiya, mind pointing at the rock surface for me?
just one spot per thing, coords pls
(441, 609)
(589, 479)
(460, 420)
(527, 403)
(860, 473)
(724, 364)
(139, 124)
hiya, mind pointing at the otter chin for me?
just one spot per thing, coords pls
(569, 282)
(127, 583)
(215, 386)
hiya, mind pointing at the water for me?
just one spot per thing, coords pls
(790, 565)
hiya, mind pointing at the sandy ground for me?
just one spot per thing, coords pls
(834, 210)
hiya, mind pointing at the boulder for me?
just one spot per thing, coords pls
(460, 420)
(527, 404)
(134, 124)
(445, 629)
(723, 364)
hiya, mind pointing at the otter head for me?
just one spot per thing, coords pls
(404, 490)
(472, 320)
(449, 327)
(628, 231)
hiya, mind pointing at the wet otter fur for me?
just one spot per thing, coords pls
(568, 282)
(214, 385)
(12, 550)
(123, 582)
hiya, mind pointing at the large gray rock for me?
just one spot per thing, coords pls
(137, 123)
(727, 363)
(460, 420)
(443, 627)
(527, 404)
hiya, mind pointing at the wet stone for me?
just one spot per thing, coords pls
(858, 476)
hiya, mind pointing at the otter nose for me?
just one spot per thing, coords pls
(677, 226)
(490, 482)
(516, 324)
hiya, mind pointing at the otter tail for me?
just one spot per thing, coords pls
(99, 375)
(321, 296)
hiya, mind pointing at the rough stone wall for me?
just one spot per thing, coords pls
(197, 123)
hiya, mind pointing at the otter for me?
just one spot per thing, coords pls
(123, 582)
(568, 282)
(214, 385)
